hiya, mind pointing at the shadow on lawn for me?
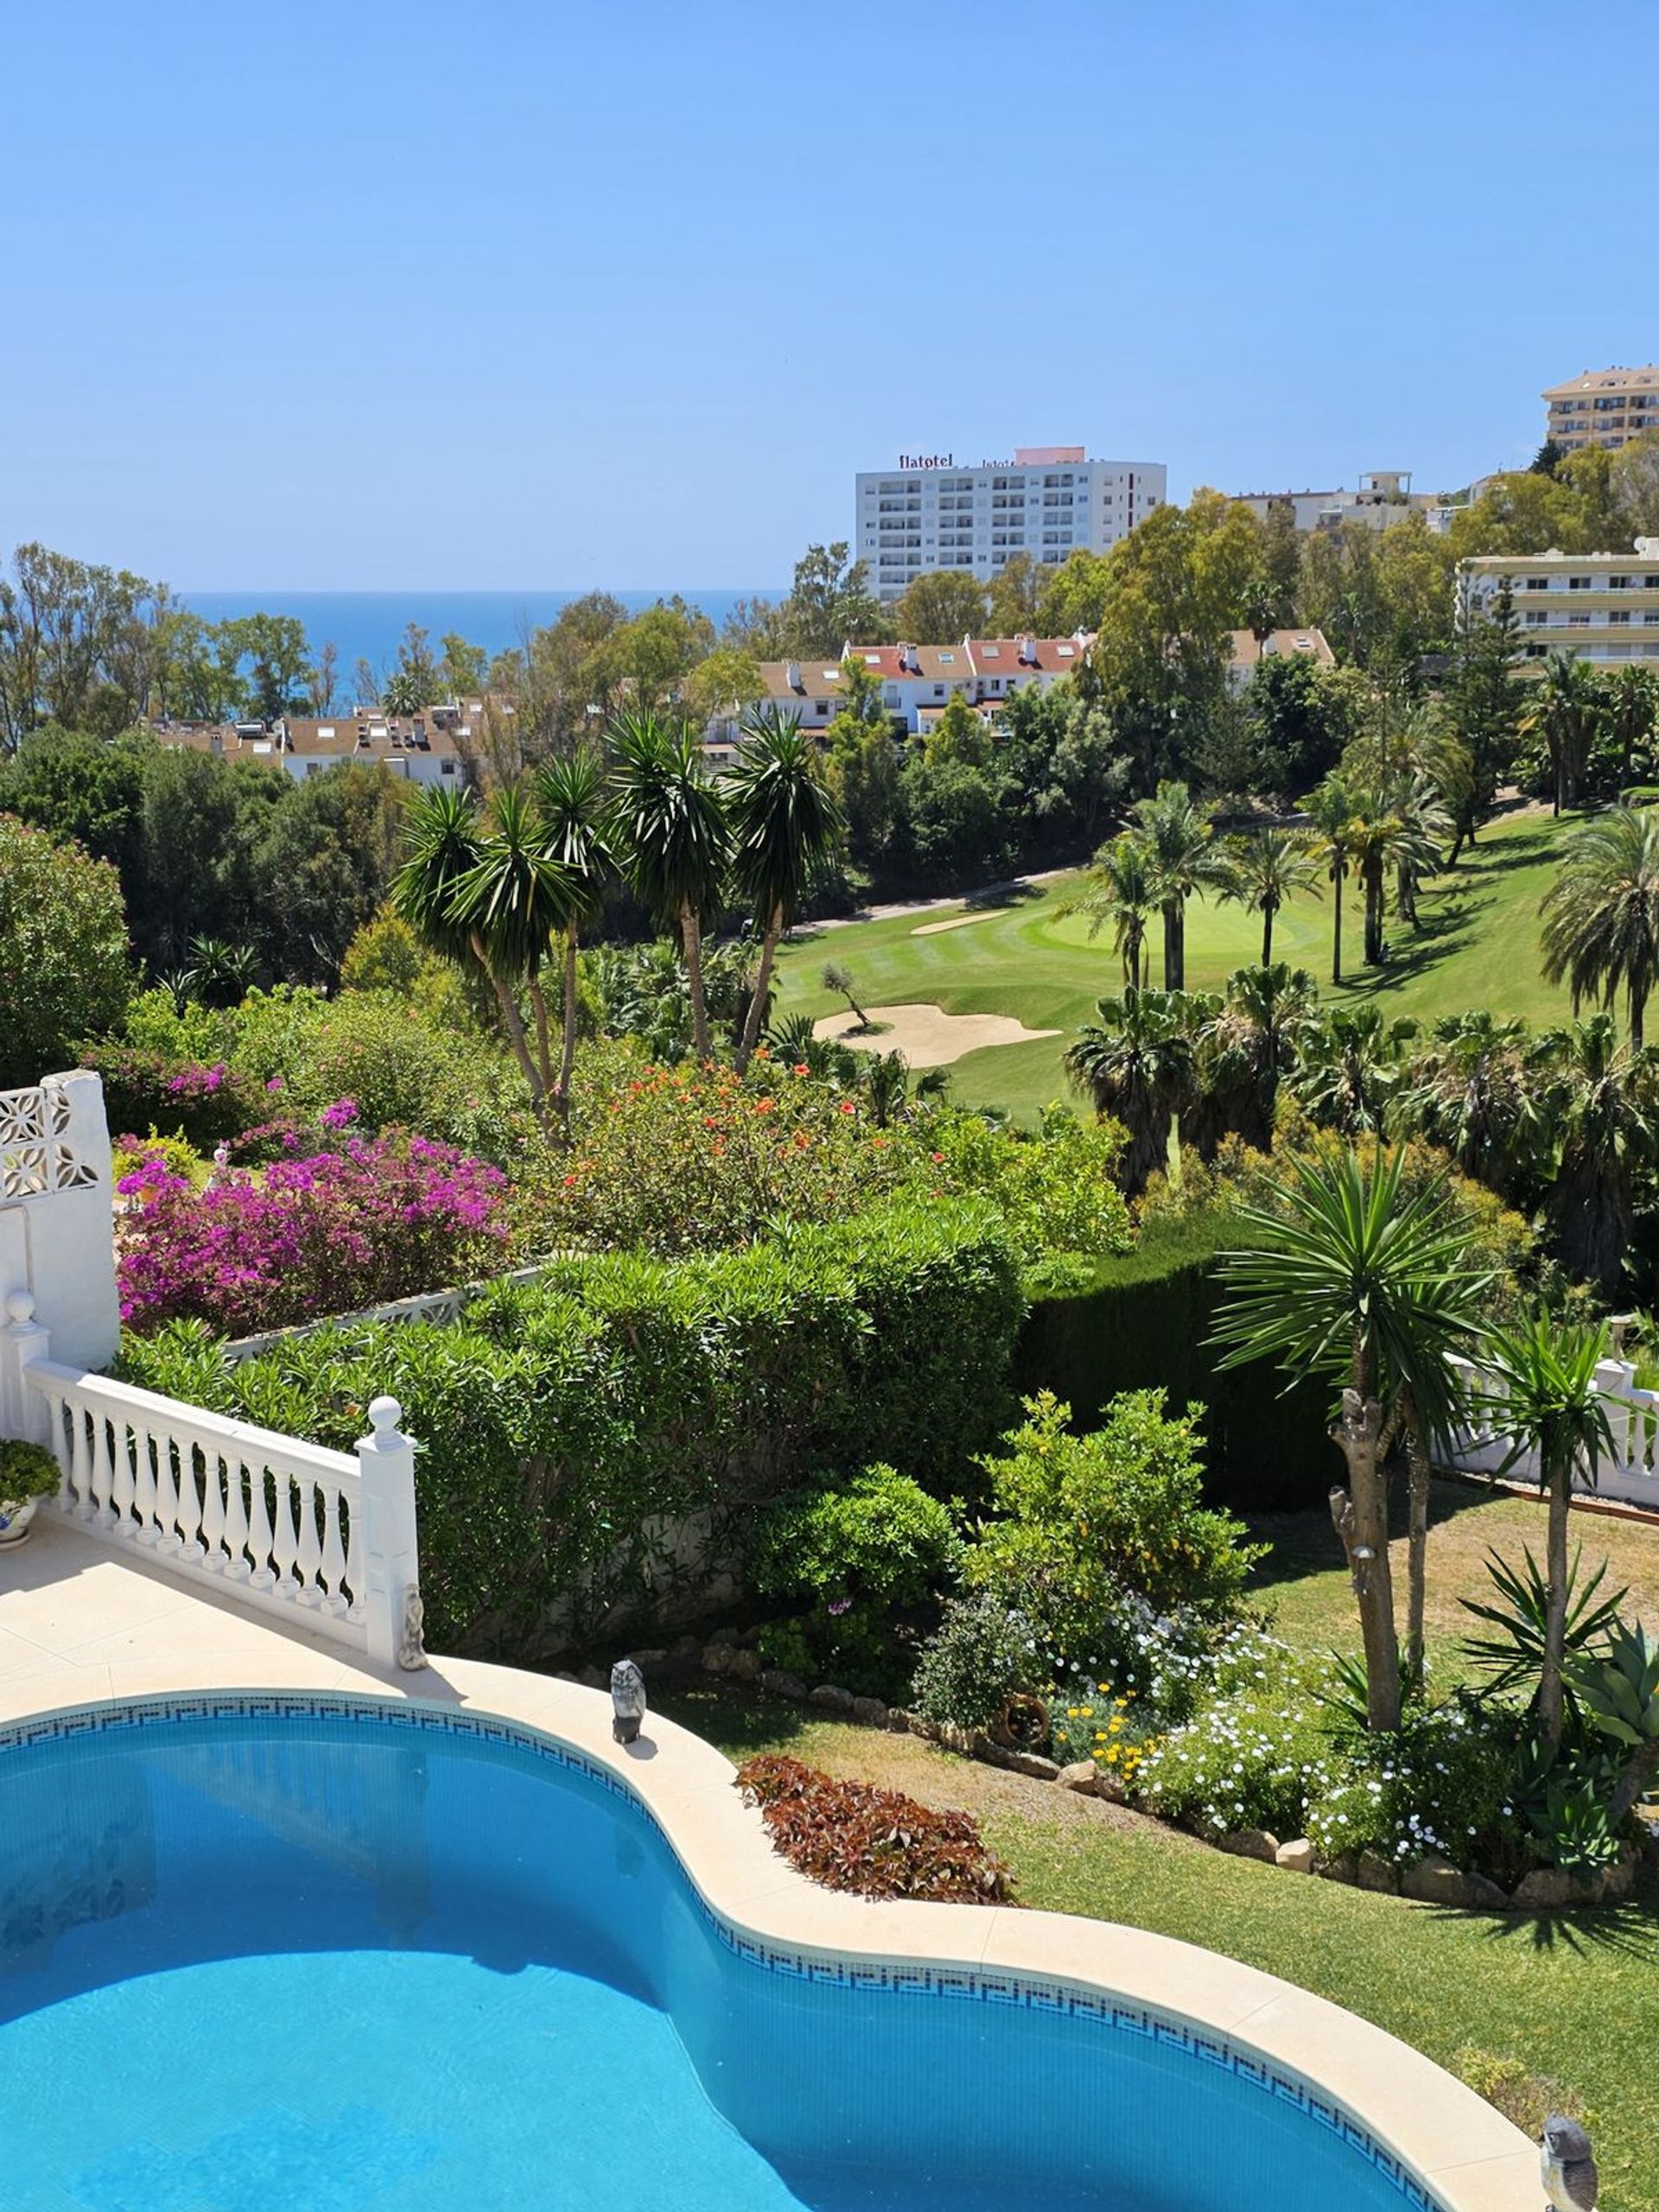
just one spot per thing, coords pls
(1629, 1931)
(1307, 1543)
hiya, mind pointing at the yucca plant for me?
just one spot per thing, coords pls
(1512, 1656)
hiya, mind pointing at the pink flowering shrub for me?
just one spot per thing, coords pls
(325, 1233)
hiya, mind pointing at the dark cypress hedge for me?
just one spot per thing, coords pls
(1145, 1321)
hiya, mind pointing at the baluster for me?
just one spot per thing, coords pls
(310, 1547)
(353, 1511)
(80, 1463)
(167, 1538)
(333, 1553)
(212, 1511)
(57, 1437)
(284, 1539)
(259, 1539)
(123, 1484)
(191, 1485)
(236, 1518)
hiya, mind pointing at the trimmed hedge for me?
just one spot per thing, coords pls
(572, 1430)
(1146, 1323)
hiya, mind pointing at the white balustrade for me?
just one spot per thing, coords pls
(1629, 1474)
(325, 1540)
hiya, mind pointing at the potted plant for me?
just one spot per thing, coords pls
(28, 1474)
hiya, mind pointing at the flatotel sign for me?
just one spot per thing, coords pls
(926, 460)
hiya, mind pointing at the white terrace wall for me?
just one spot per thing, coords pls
(56, 1214)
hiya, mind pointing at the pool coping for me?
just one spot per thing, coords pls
(1431, 2131)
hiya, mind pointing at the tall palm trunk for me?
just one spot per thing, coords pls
(756, 1014)
(691, 940)
(1638, 1009)
(1337, 878)
(1268, 911)
(567, 1047)
(544, 1032)
(512, 1021)
(1361, 1515)
(1173, 947)
(1550, 1680)
(1371, 875)
(1417, 1476)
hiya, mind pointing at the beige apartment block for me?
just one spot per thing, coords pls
(1603, 407)
(1602, 608)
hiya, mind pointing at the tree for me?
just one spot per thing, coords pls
(1633, 717)
(278, 660)
(940, 607)
(1601, 913)
(1567, 707)
(66, 973)
(1601, 1103)
(1476, 1094)
(1635, 485)
(669, 828)
(1482, 700)
(1017, 600)
(839, 980)
(1263, 870)
(1253, 1041)
(1358, 1280)
(1349, 1067)
(1331, 810)
(462, 668)
(957, 734)
(443, 846)
(1138, 1065)
(516, 898)
(1549, 1402)
(1122, 890)
(1182, 857)
(572, 794)
(721, 685)
(830, 602)
(1297, 716)
(784, 824)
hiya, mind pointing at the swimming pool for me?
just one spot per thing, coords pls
(258, 1953)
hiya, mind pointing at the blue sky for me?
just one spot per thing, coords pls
(335, 293)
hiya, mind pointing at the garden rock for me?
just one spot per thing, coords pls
(902, 1723)
(1112, 1787)
(1252, 1843)
(1617, 1882)
(1482, 1894)
(1032, 1763)
(830, 1698)
(1296, 1857)
(717, 1658)
(1375, 1873)
(1434, 1880)
(744, 1666)
(870, 1711)
(1080, 1776)
(782, 1683)
(1547, 1889)
(1345, 1867)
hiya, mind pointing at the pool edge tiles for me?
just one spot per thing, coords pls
(1440, 2147)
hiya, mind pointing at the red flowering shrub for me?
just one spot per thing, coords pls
(878, 1843)
(327, 1233)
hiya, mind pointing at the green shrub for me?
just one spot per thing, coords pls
(26, 1470)
(65, 970)
(1523, 2097)
(1081, 1521)
(569, 1428)
(979, 1655)
(1246, 1761)
(1444, 1782)
(861, 1560)
(1055, 1192)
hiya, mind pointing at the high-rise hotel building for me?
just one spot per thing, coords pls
(1604, 407)
(929, 512)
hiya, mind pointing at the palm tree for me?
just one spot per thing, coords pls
(1330, 808)
(1424, 824)
(1601, 1103)
(1373, 833)
(571, 792)
(516, 898)
(1137, 1065)
(1475, 1092)
(1569, 706)
(1122, 892)
(669, 826)
(1182, 857)
(1247, 1047)
(1633, 715)
(1550, 1403)
(1265, 869)
(1363, 1282)
(443, 845)
(1601, 913)
(784, 822)
(1348, 1067)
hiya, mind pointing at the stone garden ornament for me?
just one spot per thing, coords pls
(1568, 2165)
(627, 1701)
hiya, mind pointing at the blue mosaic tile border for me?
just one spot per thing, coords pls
(983, 1985)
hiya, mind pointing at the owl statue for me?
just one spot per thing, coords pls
(1568, 2165)
(627, 1700)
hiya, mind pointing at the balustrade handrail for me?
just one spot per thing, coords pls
(270, 1446)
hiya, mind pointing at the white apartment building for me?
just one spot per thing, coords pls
(1384, 496)
(930, 513)
(1602, 608)
(1603, 407)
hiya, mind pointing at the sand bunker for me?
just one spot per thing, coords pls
(955, 922)
(928, 1036)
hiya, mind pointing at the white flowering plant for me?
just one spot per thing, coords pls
(1444, 1783)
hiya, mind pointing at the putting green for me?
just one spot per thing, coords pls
(1476, 946)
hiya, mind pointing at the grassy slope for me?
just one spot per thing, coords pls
(1478, 946)
(1574, 1996)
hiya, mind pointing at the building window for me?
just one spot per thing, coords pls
(1537, 583)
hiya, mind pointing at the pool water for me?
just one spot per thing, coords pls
(345, 1963)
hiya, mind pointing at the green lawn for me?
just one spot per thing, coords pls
(1574, 1995)
(1478, 946)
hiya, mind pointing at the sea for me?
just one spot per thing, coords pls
(368, 625)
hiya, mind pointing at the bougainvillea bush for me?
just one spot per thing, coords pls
(878, 1843)
(362, 1223)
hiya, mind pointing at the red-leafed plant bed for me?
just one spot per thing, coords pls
(849, 1835)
